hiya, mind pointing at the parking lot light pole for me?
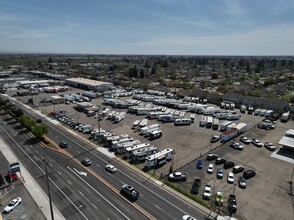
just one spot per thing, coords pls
(234, 189)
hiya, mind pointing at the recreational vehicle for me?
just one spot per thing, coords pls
(155, 134)
(136, 123)
(223, 126)
(121, 148)
(183, 121)
(202, 122)
(159, 158)
(120, 141)
(215, 124)
(209, 122)
(142, 154)
(129, 150)
(120, 116)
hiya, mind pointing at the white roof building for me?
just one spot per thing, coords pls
(89, 84)
(288, 140)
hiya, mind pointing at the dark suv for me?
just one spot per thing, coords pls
(228, 164)
(248, 174)
(63, 144)
(196, 186)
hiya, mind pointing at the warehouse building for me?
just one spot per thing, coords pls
(288, 141)
(88, 84)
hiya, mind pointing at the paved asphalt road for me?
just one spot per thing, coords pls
(78, 196)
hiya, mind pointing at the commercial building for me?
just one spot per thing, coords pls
(88, 84)
(288, 140)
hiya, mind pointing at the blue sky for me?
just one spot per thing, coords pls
(171, 27)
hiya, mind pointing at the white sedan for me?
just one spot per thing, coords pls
(110, 168)
(188, 217)
(230, 178)
(12, 205)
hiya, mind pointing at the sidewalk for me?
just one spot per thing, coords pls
(33, 188)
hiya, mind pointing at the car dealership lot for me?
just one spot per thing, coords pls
(268, 189)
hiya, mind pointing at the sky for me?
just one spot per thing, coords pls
(151, 27)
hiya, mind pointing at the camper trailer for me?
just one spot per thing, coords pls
(129, 150)
(120, 116)
(144, 130)
(223, 126)
(121, 148)
(154, 134)
(202, 122)
(114, 144)
(159, 158)
(142, 154)
(136, 123)
(233, 117)
(183, 121)
(215, 124)
(209, 122)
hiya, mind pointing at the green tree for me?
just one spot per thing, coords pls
(142, 73)
(50, 60)
(40, 130)
(173, 76)
(153, 70)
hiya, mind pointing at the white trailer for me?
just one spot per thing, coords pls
(243, 109)
(229, 134)
(209, 122)
(120, 141)
(183, 121)
(221, 115)
(223, 126)
(192, 117)
(129, 150)
(202, 122)
(167, 118)
(143, 123)
(262, 112)
(269, 113)
(159, 158)
(142, 154)
(285, 117)
(146, 128)
(121, 148)
(231, 126)
(155, 134)
(90, 94)
(208, 111)
(84, 127)
(257, 111)
(136, 123)
(215, 124)
(241, 127)
(120, 116)
(233, 117)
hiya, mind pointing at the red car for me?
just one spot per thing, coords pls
(14, 176)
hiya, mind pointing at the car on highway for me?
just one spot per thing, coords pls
(245, 140)
(219, 161)
(236, 145)
(12, 205)
(249, 174)
(229, 164)
(270, 146)
(86, 162)
(238, 169)
(130, 192)
(230, 178)
(63, 144)
(220, 173)
(188, 217)
(207, 192)
(210, 168)
(199, 164)
(177, 176)
(110, 168)
(210, 157)
(214, 138)
(39, 120)
(242, 182)
(256, 142)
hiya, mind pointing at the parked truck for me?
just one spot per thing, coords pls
(285, 117)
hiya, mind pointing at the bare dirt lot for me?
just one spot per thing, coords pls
(266, 195)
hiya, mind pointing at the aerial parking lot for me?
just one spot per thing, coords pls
(267, 189)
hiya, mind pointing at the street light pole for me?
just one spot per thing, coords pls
(48, 188)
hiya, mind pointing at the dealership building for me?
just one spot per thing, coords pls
(89, 84)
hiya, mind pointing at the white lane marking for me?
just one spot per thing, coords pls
(80, 172)
(99, 194)
(37, 152)
(94, 206)
(69, 182)
(157, 207)
(81, 193)
(97, 165)
(52, 182)
(78, 152)
(59, 173)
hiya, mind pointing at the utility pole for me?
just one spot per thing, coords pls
(48, 188)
